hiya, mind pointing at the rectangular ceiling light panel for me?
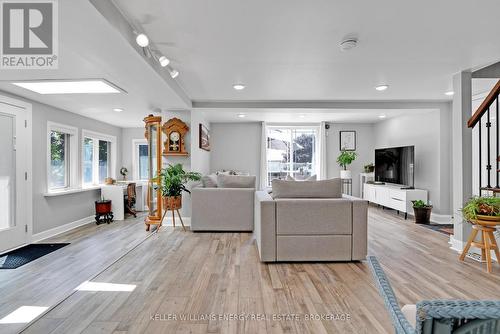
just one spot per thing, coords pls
(69, 86)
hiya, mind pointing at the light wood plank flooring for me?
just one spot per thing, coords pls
(189, 274)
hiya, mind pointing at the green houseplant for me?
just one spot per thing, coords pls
(482, 208)
(173, 180)
(422, 212)
(344, 159)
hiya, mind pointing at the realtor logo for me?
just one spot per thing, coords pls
(29, 34)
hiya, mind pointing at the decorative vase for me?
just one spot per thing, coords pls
(422, 215)
(172, 202)
(345, 174)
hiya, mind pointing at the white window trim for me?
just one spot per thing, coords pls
(135, 157)
(99, 136)
(73, 178)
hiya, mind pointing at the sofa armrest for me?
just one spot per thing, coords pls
(359, 227)
(265, 226)
(222, 209)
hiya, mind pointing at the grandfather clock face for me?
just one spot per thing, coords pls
(174, 143)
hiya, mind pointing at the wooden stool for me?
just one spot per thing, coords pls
(173, 204)
(487, 244)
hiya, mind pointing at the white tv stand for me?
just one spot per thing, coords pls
(392, 196)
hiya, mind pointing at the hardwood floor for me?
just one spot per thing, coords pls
(203, 275)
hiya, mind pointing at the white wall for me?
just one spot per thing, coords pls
(128, 136)
(236, 146)
(200, 159)
(365, 148)
(432, 148)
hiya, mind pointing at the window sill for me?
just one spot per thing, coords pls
(69, 191)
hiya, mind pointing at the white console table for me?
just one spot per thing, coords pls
(116, 194)
(392, 196)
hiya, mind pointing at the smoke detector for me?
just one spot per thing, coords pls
(348, 44)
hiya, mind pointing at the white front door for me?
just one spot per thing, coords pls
(14, 199)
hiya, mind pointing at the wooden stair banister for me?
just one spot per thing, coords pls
(488, 101)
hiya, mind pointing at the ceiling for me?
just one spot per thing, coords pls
(288, 49)
(89, 47)
(283, 50)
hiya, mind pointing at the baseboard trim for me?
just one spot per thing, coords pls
(455, 244)
(441, 219)
(61, 229)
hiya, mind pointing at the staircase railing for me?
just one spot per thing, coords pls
(481, 117)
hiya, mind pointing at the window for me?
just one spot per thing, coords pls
(140, 159)
(292, 151)
(61, 156)
(99, 157)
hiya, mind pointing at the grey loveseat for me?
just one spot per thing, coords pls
(310, 221)
(227, 205)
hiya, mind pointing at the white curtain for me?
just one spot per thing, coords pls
(263, 157)
(323, 175)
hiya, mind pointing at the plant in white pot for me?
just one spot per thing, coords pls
(345, 159)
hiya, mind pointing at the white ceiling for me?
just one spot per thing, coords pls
(281, 49)
(288, 49)
(90, 48)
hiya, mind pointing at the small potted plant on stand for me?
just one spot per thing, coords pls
(345, 159)
(422, 212)
(482, 208)
(173, 182)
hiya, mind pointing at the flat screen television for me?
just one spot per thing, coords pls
(395, 165)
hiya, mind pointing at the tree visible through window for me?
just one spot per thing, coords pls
(59, 152)
(291, 151)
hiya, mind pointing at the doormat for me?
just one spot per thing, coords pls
(19, 257)
(441, 228)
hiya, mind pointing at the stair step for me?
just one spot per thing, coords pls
(495, 190)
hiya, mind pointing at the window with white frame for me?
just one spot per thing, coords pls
(62, 148)
(98, 157)
(292, 151)
(140, 159)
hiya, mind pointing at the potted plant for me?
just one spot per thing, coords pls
(345, 159)
(173, 182)
(422, 212)
(482, 208)
(369, 168)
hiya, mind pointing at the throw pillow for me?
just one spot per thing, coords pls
(307, 189)
(209, 181)
(235, 181)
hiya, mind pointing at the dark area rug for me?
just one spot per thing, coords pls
(442, 228)
(19, 257)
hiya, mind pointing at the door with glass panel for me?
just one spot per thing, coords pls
(13, 188)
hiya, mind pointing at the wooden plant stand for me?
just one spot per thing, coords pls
(173, 204)
(487, 243)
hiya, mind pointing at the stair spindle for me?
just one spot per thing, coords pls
(488, 148)
(498, 153)
(480, 157)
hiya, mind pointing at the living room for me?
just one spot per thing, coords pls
(230, 167)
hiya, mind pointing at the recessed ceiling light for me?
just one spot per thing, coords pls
(348, 44)
(382, 116)
(142, 40)
(449, 93)
(164, 61)
(242, 115)
(381, 87)
(174, 74)
(302, 116)
(118, 109)
(69, 86)
(239, 86)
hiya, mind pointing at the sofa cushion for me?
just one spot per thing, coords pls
(235, 181)
(209, 181)
(307, 189)
(313, 216)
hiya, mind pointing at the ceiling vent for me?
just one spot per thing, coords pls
(348, 44)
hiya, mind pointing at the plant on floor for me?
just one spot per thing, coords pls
(346, 158)
(485, 206)
(174, 179)
(420, 204)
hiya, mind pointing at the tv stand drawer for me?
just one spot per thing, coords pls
(397, 194)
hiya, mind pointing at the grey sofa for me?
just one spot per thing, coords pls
(330, 227)
(227, 207)
(437, 316)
